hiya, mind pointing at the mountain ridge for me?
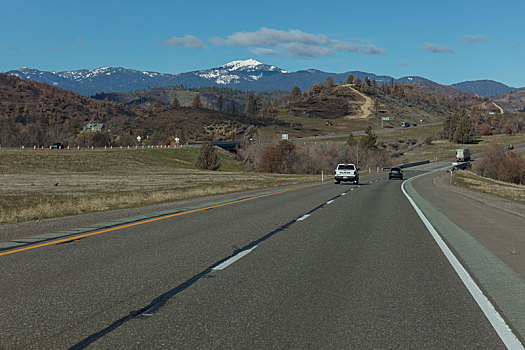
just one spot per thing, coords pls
(247, 75)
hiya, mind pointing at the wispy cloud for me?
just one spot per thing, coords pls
(78, 45)
(434, 48)
(369, 49)
(14, 48)
(298, 43)
(299, 50)
(473, 39)
(265, 51)
(186, 41)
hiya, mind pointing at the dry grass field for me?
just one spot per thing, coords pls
(43, 184)
(442, 149)
(316, 127)
(501, 189)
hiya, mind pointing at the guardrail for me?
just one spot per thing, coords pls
(461, 165)
(89, 148)
(408, 165)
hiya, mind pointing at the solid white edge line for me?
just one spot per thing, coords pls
(343, 194)
(499, 324)
(330, 201)
(233, 259)
(303, 217)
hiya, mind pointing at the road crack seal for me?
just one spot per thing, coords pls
(162, 299)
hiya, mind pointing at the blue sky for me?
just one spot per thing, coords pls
(445, 41)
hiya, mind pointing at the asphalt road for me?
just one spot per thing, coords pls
(326, 266)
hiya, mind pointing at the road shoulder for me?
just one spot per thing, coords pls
(97, 220)
(483, 237)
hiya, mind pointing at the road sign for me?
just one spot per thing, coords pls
(385, 118)
(284, 136)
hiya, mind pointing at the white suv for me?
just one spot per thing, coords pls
(346, 172)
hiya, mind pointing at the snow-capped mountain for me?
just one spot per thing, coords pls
(238, 71)
(247, 74)
(90, 82)
(116, 79)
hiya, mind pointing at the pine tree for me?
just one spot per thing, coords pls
(296, 93)
(464, 130)
(350, 79)
(251, 106)
(196, 101)
(350, 140)
(450, 124)
(369, 139)
(329, 82)
(157, 106)
(220, 103)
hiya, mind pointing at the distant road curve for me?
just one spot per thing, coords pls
(228, 145)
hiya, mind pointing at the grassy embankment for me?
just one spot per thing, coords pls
(43, 184)
(470, 180)
(442, 149)
(316, 126)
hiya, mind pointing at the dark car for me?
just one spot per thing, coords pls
(395, 172)
(57, 145)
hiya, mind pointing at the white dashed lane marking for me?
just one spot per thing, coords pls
(233, 259)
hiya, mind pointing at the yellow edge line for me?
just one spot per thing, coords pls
(69, 239)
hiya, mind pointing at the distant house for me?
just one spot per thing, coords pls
(94, 127)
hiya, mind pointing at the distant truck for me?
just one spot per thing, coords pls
(462, 155)
(346, 172)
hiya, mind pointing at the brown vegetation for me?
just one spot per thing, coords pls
(287, 157)
(37, 114)
(500, 164)
(208, 158)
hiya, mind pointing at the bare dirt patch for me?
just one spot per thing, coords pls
(365, 107)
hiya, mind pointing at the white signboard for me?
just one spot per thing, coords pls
(139, 138)
(385, 118)
(284, 136)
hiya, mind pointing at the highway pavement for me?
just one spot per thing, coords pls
(318, 266)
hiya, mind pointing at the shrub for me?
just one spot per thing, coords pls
(278, 158)
(207, 159)
(499, 164)
(286, 157)
(485, 130)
